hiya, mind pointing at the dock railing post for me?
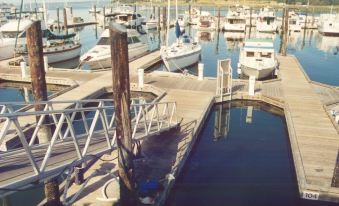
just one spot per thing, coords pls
(251, 85)
(200, 71)
(23, 68)
(46, 63)
(141, 78)
(39, 87)
(121, 98)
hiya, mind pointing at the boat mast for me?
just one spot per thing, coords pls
(168, 21)
(176, 10)
(45, 12)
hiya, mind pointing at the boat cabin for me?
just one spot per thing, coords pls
(259, 49)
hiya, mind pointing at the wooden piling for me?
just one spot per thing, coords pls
(218, 19)
(104, 14)
(164, 17)
(95, 12)
(189, 13)
(285, 33)
(159, 25)
(121, 98)
(39, 87)
(65, 19)
(58, 18)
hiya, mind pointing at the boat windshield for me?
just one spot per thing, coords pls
(133, 40)
(259, 54)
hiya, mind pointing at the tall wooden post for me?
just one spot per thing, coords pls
(36, 64)
(58, 18)
(285, 33)
(121, 98)
(104, 14)
(159, 25)
(189, 13)
(65, 20)
(95, 12)
(218, 19)
(164, 17)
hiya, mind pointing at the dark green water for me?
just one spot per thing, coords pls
(249, 164)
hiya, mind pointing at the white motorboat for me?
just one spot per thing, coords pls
(9, 33)
(151, 23)
(329, 24)
(266, 20)
(257, 58)
(195, 16)
(250, 16)
(206, 22)
(99, 56)
(294, 23)
(235, 20)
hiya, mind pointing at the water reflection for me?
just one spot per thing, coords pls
(327, 44)
(221, 121)
(205, 36)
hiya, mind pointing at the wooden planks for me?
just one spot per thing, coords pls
(315, 141)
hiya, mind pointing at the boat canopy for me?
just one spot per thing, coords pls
(259, 44)
(50, 36)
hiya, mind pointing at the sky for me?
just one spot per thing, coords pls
(39, 1)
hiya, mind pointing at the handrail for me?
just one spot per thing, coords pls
(78, 127)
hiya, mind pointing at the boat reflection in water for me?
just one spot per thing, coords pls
(205, 36)
(327, 44)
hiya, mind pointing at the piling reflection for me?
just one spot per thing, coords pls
(221, 121)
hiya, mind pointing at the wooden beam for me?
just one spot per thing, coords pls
(121, 98)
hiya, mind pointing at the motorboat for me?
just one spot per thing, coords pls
(8, 36)
(99, 57)
(235, 20)
(266, 20)
(329, 24)
(294, 23)
(182, 20)
(151, 23)
(206, 22)
(257, 58)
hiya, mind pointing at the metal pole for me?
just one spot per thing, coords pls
(58, 17)
(121, 97)
(36, 64)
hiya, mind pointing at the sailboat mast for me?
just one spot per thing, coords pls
(176, 9)
(45, 12)
(168, 21)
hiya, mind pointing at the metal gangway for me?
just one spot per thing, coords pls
(77, 129)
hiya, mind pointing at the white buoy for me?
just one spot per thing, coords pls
(23, 67)
(251, 85)
(141, 78)
(46, 63)
(200, 71)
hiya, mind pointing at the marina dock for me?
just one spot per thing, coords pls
(313, 135)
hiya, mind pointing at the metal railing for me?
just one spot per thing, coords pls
(79, 125)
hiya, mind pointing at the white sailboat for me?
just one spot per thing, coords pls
(184, 52)
(257, 58)
(99, 56)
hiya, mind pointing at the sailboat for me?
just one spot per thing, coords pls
(182, 53)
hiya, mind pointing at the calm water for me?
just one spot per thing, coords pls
(250, 163)
(241, 158)
(317, 54)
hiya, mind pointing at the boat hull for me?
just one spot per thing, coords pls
(105, 61)
(6, 51)
(59, 56)
(259, 74)
(180, 62)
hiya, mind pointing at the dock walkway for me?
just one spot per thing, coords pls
(314, 139)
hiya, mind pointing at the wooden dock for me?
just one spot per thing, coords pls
(314, 139)
(313, 136)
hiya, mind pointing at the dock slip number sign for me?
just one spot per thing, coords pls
(310, 195)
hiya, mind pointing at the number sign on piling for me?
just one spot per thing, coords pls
(310, 195)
